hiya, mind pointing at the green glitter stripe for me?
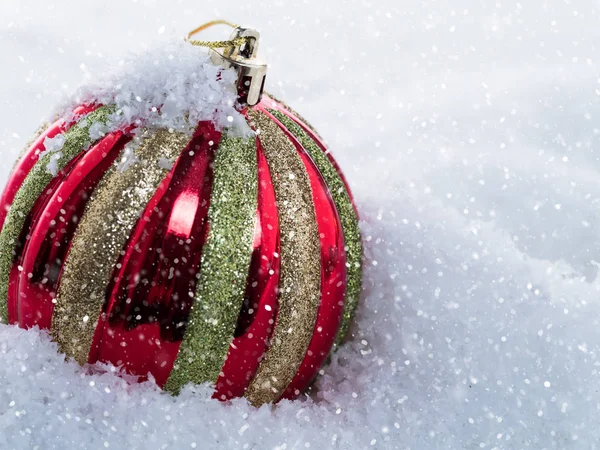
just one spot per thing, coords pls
(224, 265)
(348, 219)
(41, 130)
(76, 140)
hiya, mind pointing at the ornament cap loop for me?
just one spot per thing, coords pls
(244, 59)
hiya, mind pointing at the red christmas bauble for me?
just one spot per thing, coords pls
(239, 265)
(202, 258)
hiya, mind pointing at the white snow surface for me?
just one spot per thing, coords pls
(172, 86)
(469, 132)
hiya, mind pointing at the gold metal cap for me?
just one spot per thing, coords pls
(244, 59)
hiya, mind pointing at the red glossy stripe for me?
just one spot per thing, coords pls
(51, 234)
(270, 103)
(27, 162)
(31, 220)
(333, 276)
(257, 318)
(148, 303)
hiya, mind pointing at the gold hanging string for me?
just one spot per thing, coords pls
(215, 44)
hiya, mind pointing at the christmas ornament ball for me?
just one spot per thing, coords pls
(188, 258)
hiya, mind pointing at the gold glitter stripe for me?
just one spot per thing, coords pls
(76, 140)
(348, 219)
(113, 210)
(300, 277)
(224, 265)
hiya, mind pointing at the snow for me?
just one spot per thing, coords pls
(468, 132)
(172, 86)
(53, 145)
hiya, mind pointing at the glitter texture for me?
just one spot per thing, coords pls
(300, 279)
(286, 106)
(112, 212)
(348, 219)
(224, 265)
(76, 140)
(41, 130)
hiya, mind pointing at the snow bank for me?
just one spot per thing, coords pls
(462, 341)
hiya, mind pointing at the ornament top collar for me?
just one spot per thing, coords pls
(239, 53)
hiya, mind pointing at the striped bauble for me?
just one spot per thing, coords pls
(192, 258)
